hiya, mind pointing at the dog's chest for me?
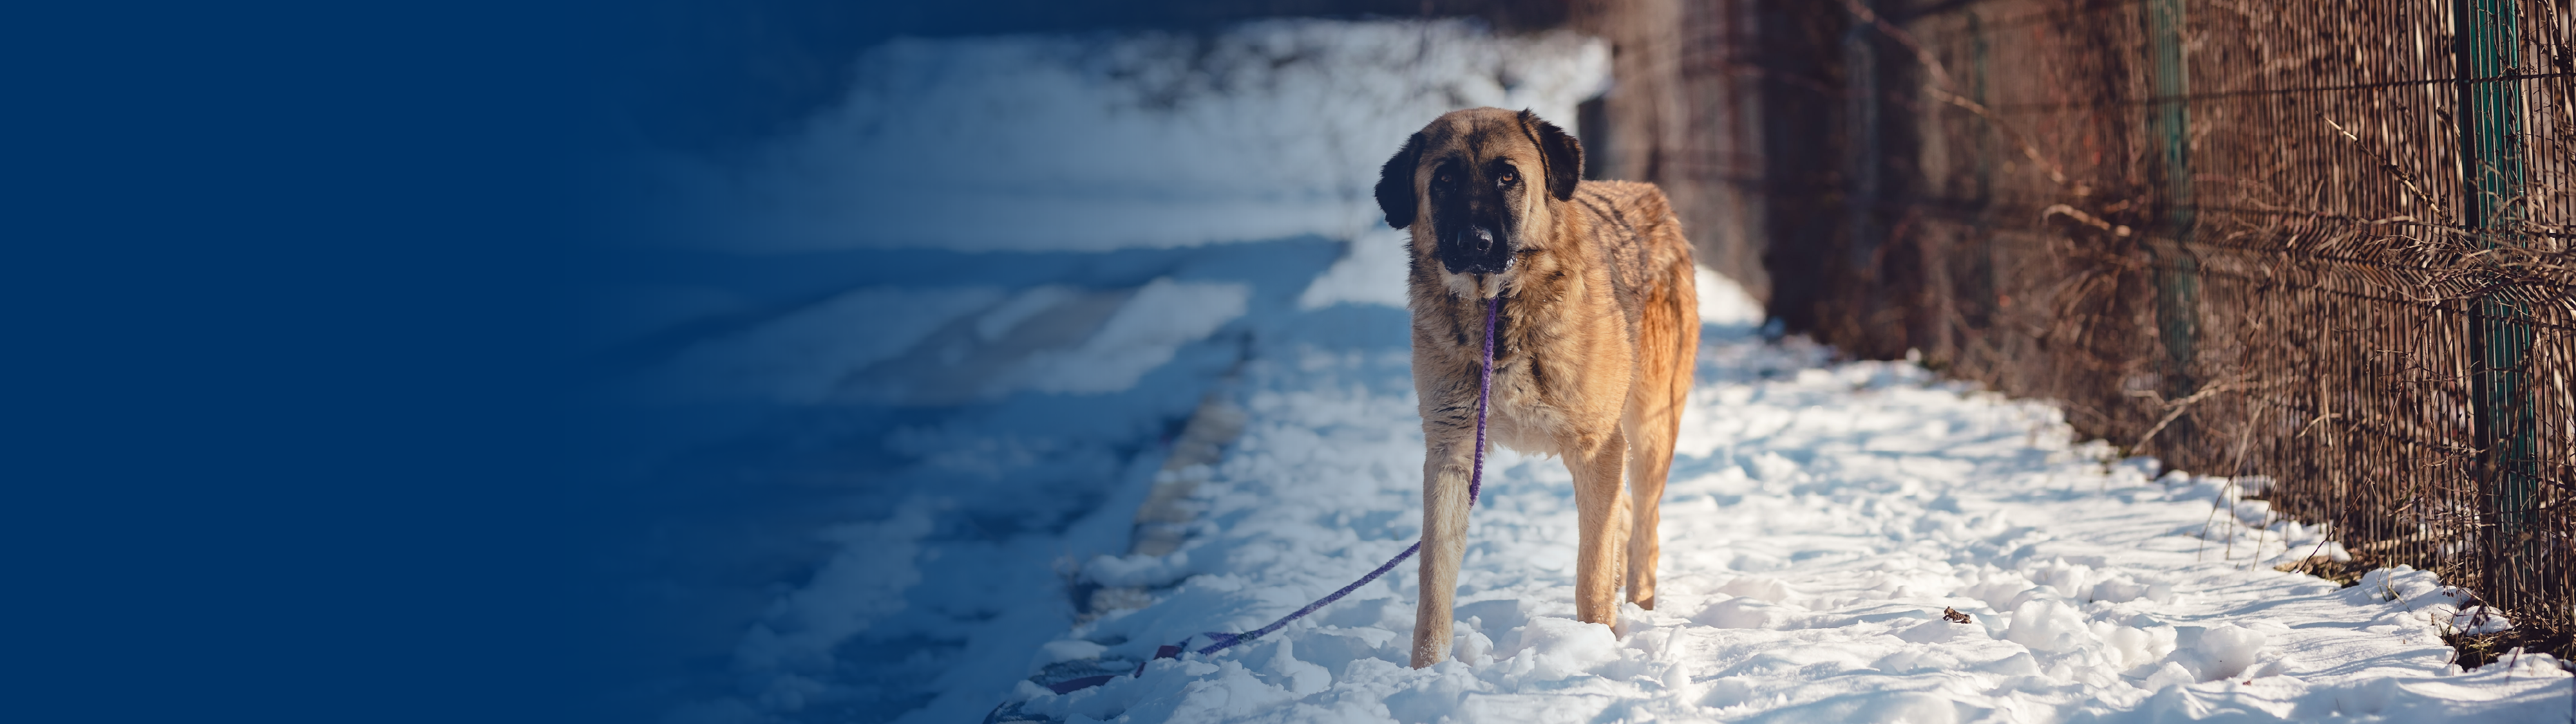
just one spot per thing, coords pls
(1527, 428)
(1525, 414)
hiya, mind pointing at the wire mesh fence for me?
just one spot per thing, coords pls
(2323, 242)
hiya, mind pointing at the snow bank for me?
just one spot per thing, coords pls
(1263, 131)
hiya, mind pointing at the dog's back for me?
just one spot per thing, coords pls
(1633, 230)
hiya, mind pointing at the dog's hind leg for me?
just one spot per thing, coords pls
(1650, 456)
(1601, 514)
(1648, 459)
(1668, 347)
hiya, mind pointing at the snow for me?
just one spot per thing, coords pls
(1148, 329)
(889, 529)
(1723, 303)
(1092, 143)
(883, 385)
(803, 356)
(1372, 273)
(1826, 514)
(905, 376)
(802, 627)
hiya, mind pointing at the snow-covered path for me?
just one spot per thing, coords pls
(1820, 518)
(884, 423)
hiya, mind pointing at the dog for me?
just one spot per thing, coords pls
(1594, 346)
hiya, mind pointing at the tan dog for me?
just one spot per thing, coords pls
(1593, 350)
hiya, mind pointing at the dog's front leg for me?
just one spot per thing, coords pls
(1601, 513)
(1447, 461)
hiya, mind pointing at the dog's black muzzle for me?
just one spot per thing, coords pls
(1474, 250)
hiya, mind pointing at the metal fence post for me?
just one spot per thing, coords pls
(2177, 270)
(2500, 333)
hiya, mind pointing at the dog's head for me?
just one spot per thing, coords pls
(1480, 188)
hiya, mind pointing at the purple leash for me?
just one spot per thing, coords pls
(1475, 485)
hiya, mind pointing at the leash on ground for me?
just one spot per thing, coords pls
(1220, 641)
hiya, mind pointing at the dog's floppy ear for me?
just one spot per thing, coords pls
(1563, 155)
(1395, 184)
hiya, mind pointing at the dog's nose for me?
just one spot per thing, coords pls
(1474, 249)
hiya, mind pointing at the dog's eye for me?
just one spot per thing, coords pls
(1507, 178)
(1442, 178)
